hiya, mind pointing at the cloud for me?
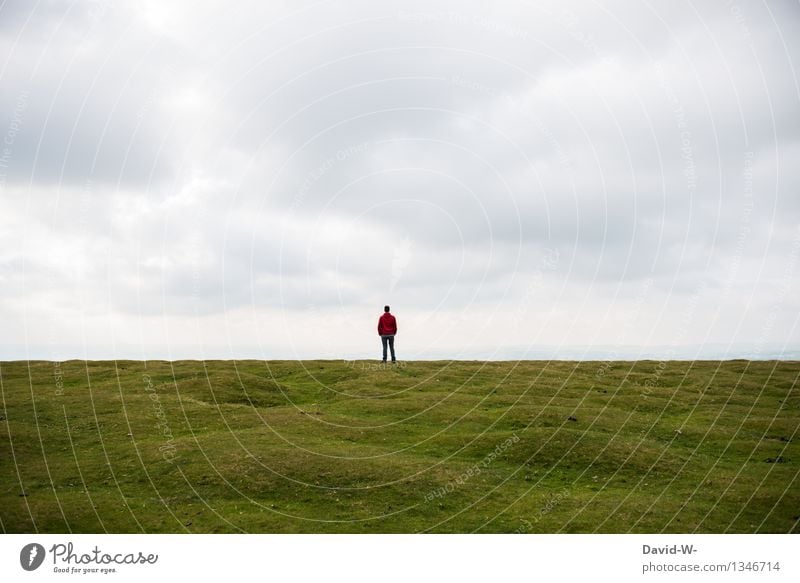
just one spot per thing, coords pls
(181, 167)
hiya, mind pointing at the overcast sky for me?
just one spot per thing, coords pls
(517, 179)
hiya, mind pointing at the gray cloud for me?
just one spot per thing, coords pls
(230, 171)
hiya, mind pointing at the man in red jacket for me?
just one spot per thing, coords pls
(387, 328)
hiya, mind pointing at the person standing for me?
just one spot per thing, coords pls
(387, 328)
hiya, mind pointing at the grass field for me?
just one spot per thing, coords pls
(333, 446)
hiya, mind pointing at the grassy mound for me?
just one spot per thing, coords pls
(332, 446)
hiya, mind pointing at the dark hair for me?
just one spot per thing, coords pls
(385, 308)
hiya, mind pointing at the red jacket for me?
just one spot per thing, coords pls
(387, 324)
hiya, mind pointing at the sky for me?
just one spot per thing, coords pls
(517, 179)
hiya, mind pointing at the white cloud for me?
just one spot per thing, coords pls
(266, 177)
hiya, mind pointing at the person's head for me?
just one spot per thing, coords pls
(385, 308)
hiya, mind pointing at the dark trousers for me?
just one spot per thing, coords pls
(388, 339)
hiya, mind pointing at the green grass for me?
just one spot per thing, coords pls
(331, 446)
